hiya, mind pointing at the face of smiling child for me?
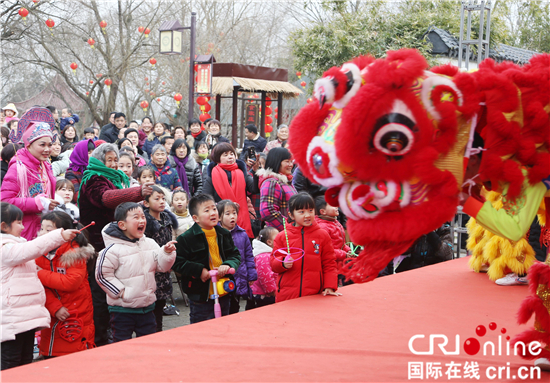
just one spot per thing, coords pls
(134, 224)
(229, 218)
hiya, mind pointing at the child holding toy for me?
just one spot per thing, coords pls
(205, 246)
(310, 268)
(246, 274)
(21, 286)
(64, 274)
(126, 268)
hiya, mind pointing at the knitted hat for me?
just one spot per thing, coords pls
(11, 107)
(33, 116)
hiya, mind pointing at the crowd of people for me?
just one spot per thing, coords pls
(95, 228)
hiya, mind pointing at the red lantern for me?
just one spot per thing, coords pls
(98, 75)
(276, 109)
(309, 100)
(210, 46)
(178, 98)
(146, 90)
(144, 105)
(268, 111)
(103, 25)
(268, 128)
(162, 90)
(303, 83)
(202, 100)
(276, 116)
(146, 78)
(158, 99)
(73, 67)
(87, 93)
(24, 12)
(146, 83)
(153, 61)
(35, 1)
(268, 120)
(164, 83)
(141, 29)
(50, 23)
(91, 42)
(152, 94)
(108, 82)
(147, 31)
(204, 117)
(196, 67)
(207, 108)
(299, 74)
(91, 82)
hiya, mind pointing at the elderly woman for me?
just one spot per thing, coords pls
(282, 135)
(102, 189)
(227, 178)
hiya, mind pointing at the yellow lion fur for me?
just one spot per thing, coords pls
(499, 253)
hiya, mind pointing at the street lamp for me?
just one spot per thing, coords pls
(171, 37)
(170, 43)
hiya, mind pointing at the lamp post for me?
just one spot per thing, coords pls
(171, 43)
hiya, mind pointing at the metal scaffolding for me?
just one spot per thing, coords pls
(484, 35)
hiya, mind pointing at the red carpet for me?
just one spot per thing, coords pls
(362, 336)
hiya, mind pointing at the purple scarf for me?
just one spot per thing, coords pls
(79, 156)
(180, 169)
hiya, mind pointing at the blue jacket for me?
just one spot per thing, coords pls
(68, 121)
(166, 176)
(247, 270)
(149, 145)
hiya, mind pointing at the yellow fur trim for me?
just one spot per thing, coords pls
(517, 257)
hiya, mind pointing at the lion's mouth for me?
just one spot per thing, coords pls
(365, 200)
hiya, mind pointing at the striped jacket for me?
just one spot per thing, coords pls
(275, 192)
(128, 266)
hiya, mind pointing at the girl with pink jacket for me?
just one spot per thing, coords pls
(29, 183)
(23, 297)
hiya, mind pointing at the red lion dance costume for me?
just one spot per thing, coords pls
(391, 140)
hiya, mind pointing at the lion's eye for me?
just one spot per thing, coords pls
(394, 136)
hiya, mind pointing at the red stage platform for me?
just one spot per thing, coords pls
(362, 336)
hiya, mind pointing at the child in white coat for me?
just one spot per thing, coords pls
(23, 296)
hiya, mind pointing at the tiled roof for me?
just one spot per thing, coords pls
(502, 52)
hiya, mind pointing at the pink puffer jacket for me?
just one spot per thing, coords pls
(23, 296)
(25, 193)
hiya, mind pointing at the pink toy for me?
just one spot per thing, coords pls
(290, 252)
(228, 286)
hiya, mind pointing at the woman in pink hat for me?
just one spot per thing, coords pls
(29, 183)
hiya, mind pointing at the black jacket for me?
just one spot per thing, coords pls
(193, 172)
(302, 184)
(109, 133)
(259, 144)
(193, 255)
(534, 241)
(251, 182)
(4, 170)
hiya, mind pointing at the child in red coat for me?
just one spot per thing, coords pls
(68, 297)
(313, 273)
(327, 218)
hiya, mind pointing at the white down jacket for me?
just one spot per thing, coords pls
(129, 266)
(23, 295)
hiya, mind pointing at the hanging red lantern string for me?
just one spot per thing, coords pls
(50, 23)
(204, 117)
(299, 75)
(144, 105)
(141, 29)
(158, 99)
(303, 84)
(178, 98)
(146, 32)
(98, 75)
(87, 93)
(153, 61)
(24, 12)
(103, 25)
(108, 82)
(202, 100)
(91, 42)
(91, 82)
(73, 67)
